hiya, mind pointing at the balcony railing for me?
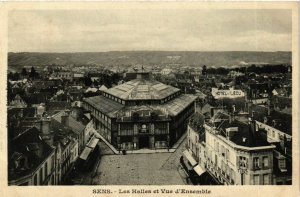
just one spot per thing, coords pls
(218, 172)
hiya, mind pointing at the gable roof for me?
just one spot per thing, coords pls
(74, 125)
(30, 146)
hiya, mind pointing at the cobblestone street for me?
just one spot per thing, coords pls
(140, 169)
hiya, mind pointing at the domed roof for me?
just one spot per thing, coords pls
(142, 89)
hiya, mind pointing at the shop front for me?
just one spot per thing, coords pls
(196, 173)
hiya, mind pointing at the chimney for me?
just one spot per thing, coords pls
(48, 139)
(249, 107)
(35, 112)
(68, 112)
(65, 120)
(269, 107)
(265, 120)
(212, 111)
(233, 108)
(252, 129)
(252, 124)
(44, 126)
(274, 123)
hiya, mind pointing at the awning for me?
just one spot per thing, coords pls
(96, 134)
(199, 170)
(85, 153)
(189, 157)
(93, 142)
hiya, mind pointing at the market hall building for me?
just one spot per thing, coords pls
(141, 113)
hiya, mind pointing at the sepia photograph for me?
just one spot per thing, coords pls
(161, 96)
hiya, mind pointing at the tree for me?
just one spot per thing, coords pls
(14, 76)
(96, 83)
(24, 72)
(10, 76)
(204, 71)
(87, 81)
(33, 73)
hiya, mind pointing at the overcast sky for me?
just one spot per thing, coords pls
(170, 30)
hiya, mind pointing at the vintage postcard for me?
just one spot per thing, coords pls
(149, 98)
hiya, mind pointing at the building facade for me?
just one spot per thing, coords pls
(234, 151)
(31, 160)
(141, 113)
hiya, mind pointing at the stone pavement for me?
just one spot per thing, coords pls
(141, 169)
(135, 169)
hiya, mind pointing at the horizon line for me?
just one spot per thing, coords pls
(145, 51)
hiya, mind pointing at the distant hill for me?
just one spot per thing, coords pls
(17, 60)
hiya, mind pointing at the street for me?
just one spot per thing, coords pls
(140, 169)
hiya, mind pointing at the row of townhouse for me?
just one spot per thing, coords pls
(233, 151)
(45, 153)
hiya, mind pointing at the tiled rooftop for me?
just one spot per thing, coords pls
(278, 120)
(245, 136)
(30, 145)
(142, 90)
(105, 105)
(178, 104)
(74, 125)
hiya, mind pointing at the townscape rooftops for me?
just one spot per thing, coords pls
(74, 125)
(105, 105)
(197, 119)
(24, 112)
(277, 120)
(196, 122)
(103, 87)
(58, 105)
(140, 89)
(28, 146)
(245, 137)
(245, 134)
(61, 136)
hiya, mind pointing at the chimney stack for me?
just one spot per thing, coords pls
(252, 129)
(233, 108)
(45, 130)
(249, 105)
(211, 111)
(68, 112)
(230, 117)
(269, 107)
(65, 120)
(44, 126)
